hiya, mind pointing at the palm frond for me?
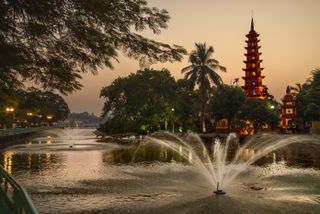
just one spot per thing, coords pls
(222, 68)
(214, 77)
(188, 68)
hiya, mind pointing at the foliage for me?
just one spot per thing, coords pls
(260, 112)
(202, 72)
(294, 90)
(53, 42)
(144, 99)
(226, 102)
(186, 104)
(308, 99)
(84, 117)
(32, 106)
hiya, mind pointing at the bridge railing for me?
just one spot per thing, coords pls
(13, 198)
(17, 131)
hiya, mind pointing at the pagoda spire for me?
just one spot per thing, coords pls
(252, 24)
(253, 78)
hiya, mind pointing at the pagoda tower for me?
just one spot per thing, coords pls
(288, 110)
(253, 79)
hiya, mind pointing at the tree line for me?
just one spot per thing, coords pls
(50, 44)
(308, 100)
(31, 107)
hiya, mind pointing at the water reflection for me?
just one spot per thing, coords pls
(70, 162)
(7, 161)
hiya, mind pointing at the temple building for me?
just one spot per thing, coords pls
(288, 111)
(253, 79)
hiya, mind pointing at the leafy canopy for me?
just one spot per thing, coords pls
(202, 72)
(308, 98)
(226, 102)
(142, 98)
(52, 42)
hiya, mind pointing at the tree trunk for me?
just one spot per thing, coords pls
(229, 124)
(202, 91)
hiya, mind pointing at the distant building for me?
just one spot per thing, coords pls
(288, 111)
(253, 79)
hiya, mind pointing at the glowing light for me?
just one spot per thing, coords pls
(9, 109)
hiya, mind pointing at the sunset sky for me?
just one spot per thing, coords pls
(289, 33)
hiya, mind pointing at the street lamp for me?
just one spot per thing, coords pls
(172, 120)
(9, 109)
(272, 106)
(49, 117)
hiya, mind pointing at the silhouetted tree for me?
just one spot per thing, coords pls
(260, 112)
(226, 102)
(143, 100)
(53, 42)
(295, 90)
(308, 99)
(202, 72)
(33, 106)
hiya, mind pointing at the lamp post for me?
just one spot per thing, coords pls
(10, 110)
(49, 117)
(172, 120)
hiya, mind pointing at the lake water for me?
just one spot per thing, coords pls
(70, 172)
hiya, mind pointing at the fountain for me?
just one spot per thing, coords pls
(165, 173)
(217, 164)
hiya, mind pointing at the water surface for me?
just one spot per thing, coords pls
(70, 172)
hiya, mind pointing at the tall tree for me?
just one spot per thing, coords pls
(295, 90)
(226, 102)
(260, 112)
(52, 42)
(308, 99)
(143, 99)
(203, 72)
(186, 103)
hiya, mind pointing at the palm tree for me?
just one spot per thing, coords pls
(202, 72)
(236, 81)
(295, 90)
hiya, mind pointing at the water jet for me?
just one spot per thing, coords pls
(219, 191)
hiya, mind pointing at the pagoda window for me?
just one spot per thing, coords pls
(254, 92)
(252, 50)
(253, 65)
(252, 58)
(254, 83)
(289, 111)
(253, 73)
(289, 103)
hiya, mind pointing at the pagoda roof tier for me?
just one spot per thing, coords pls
(253, 69)
(254, 54)
(251, 47)
(252, 61)
(254, 86)
(254, 34)
(253, 40)
(253, 77)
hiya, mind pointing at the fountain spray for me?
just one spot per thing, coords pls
(219, 191)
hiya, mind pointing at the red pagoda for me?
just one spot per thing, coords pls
(253, 79)
(288, 110)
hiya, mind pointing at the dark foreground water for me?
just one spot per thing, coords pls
(96, 177)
